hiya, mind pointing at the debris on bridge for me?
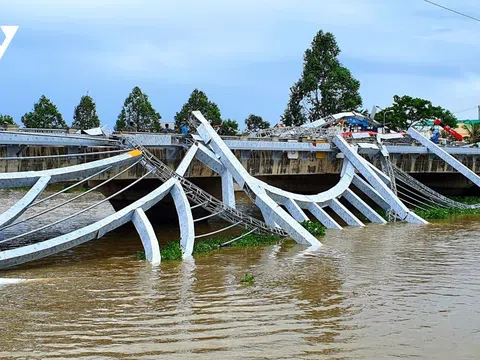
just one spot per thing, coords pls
(361, 184)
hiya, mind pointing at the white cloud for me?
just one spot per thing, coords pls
(411, 46)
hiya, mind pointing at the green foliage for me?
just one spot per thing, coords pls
(229, 128)
(314, 228)
(85, 114)
(248, 279)
(250, 240)
(255, 240)
(326, 87)
(473, 132)
(141, 255)
(469, 200)
(445, 213)
(406, 111)
(6, 120)
(255, 123)
(172, 251)
(198, 101)
(139, 112)
(294, 114)
(45, 115)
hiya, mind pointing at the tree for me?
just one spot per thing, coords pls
(45, 115)
(407, 110)
(229, 127)
(6, 120)
(255, 123)
(199, 101)
(326, 87)
(138, 112)
(473, 130)
(85, 114)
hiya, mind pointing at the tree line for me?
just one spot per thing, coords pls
(325, 87)
(137, 114)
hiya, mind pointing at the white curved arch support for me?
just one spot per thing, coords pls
(228, 191)
(325, 219)
(148, 237)
(272, 212)
(363, 207)
(304, 201)
(362, 166)
(442, 154)
(292, 201)
(344, 213)
(22, 205)
(69, 173)
(295, 210)
(187, 160)
(275, 214)
(373, 194)
(207, 157)
(17, 256)
(268, 220)
(185, 219)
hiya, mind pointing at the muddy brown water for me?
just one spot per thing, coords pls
(381, 292)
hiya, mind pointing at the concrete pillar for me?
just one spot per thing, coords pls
(228, 191)
(147, 235)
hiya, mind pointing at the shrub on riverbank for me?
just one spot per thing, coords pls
(314, 228)
(444, 213)
(173, 251)
(469, 200)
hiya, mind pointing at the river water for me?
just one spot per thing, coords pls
(380, 292)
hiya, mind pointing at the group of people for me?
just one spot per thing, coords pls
(183, 129)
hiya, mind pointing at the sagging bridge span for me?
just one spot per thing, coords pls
(363, 188)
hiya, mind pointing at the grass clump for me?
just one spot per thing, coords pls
(141, 255)
(314, 228)
(444, 213)
(250, 240)
(248, 279)
(469, 200)
(172, 251)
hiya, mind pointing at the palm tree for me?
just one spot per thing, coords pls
(473, 132)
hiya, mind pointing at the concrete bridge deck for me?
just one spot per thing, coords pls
(274, 161)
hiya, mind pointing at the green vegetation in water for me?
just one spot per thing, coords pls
(248, 279)
(444, 213)
(314, 228)
(141, 255)
(172, 251)
(250, 240)
(469, 200)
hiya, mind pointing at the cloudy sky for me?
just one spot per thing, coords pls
(244, 54)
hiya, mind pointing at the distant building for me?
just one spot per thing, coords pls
(461, 126)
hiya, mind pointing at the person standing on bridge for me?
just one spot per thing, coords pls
(184, 130)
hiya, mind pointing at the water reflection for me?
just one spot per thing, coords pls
(378, 292)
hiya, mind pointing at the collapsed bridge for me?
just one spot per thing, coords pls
(390, 189)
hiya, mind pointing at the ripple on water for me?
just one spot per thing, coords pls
(379, 292)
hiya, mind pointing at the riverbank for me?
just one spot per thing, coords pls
(173, 251)
(437, 213)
